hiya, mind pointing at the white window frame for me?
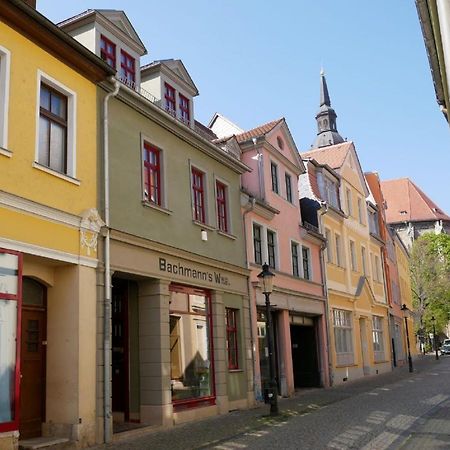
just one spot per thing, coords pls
(363, 259)
(361, 211)
(299, 257)
(5, 75)
(277, 171)
(309, 262)
(277, 256)
(330, 252)
(343, 337)
(377, 268)
(338, 245)
(378, 338)
(71, 123)
(349, 199)
(263, 245)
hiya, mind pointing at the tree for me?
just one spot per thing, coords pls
(430, 280)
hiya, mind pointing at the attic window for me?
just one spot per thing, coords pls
(280, 143)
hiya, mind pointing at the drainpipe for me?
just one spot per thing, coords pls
(253, 340)
(107, 301)
(323, 210)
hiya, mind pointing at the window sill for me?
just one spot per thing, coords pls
(203, 225)
(151, 205)
(6, 152)
(235, 370)
(227, 235)
(56, 174)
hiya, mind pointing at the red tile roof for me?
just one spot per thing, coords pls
(258, 131)
(333, 155)
(408, 203)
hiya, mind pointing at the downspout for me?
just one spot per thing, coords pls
(107, 301)
(323, 210)
(257, 392)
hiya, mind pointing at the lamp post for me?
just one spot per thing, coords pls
(267, 280)
(405, 310)
(433, 320)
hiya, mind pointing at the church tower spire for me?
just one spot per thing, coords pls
(327, 133)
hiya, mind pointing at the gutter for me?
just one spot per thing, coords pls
(107, 410)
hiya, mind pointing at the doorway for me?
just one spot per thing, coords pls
(33, 358)
(304, 356)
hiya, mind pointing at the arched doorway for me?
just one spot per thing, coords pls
(32, 358)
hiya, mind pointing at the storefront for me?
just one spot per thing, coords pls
(181, 347)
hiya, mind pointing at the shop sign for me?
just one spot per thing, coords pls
(9, 274)
(186, 271)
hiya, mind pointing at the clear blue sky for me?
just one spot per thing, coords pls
(255, 61)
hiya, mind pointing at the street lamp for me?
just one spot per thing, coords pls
(433, 320)
(267, 280)
(405, 310)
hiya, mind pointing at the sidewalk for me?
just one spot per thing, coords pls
(212, 431)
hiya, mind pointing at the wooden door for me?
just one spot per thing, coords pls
(32, 366)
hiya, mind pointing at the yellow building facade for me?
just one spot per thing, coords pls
(49, 227)
(357, 304)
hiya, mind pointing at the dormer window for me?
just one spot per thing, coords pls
(127, 69)
(184, 109)
(108, 51)
(169, 95)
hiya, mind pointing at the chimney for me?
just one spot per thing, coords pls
(31, 3)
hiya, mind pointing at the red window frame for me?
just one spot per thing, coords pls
(14, 424)
(221, 198)
(169, 95)
(152, 173)
(185, 114)
(127, 68)
(232, 338)
(198, 195)
(105, 54)
(180, 405)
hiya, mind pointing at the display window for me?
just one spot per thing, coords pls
(191, 349)
(10, 297)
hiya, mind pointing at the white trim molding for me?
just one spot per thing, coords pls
(5, 70)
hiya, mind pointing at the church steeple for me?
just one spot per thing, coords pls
(327, 133)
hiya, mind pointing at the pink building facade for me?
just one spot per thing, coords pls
(276, 235)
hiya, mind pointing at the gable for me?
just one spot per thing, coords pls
(351, 171)
(177, 67)
(364, 294)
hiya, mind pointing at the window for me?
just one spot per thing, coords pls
(306, 260)
(377, 333)
(363, 260)
(353, 256)
(331, 192)
(348, 195)
(232, 338)
(257, 244)
(108, 51)
(338, 251)
(152, 174)
(329, 245)
(184, 109)
(52, 151)
(295, 265)
(198, 195)
(274, 174)
(4, 95)
(169, 95)
(191, 352)
(221, 198)
(360, 211)
(287, 179)
(10, 282)
(271, 243)
(377, 268)
(373, 222)
(127, 69)
(343, 336)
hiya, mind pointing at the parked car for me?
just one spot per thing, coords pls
(445, 349)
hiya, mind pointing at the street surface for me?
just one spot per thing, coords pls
(397, 410)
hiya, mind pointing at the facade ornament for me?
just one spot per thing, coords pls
(90, 226)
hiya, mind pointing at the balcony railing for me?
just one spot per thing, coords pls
(310, 227)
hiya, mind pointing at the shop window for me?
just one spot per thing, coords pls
(191, 364)
(198, 195)
(232, 338)
(127, 69)
(152, 174)
(343, 336)
(222, 207)
(108, 51)
(257, 243)
(10, 281)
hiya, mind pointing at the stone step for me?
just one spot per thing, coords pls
(46, 443)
